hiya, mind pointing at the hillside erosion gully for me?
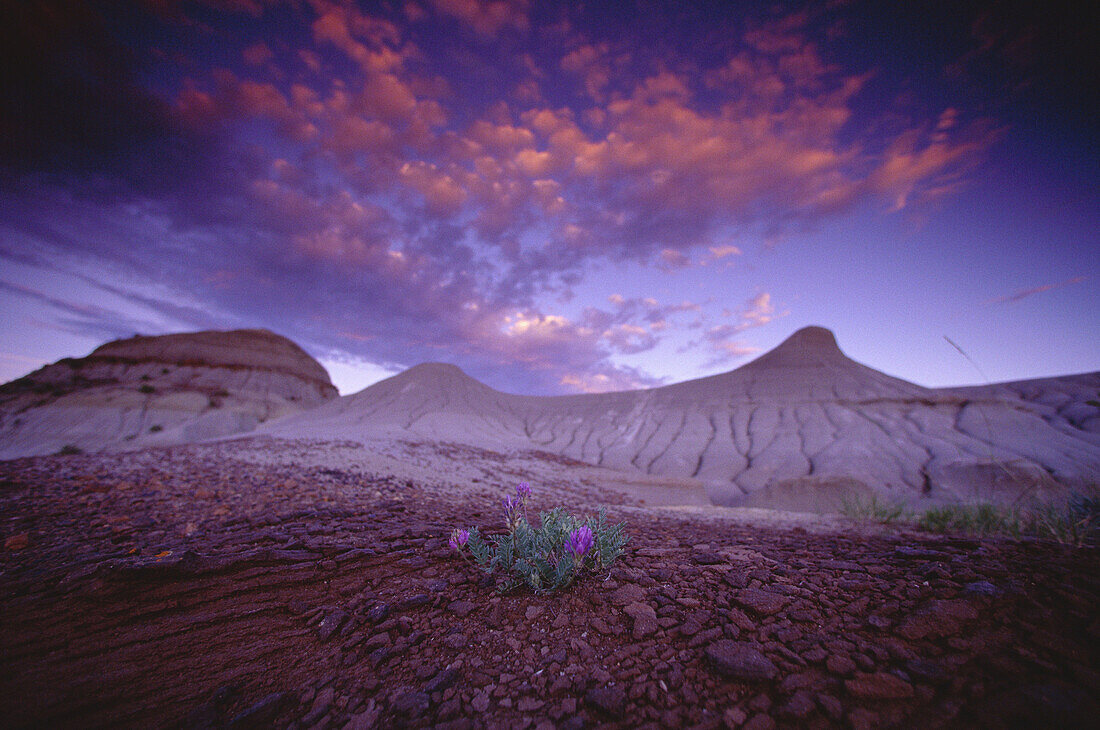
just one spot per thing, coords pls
(208, 592)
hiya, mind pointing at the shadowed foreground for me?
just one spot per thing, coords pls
(189, 588)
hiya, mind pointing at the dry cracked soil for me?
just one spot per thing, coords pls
(193, 587)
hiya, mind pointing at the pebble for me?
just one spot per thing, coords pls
(878, 686)
(740, 660)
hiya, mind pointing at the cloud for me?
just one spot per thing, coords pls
(486, 17)
(609, 380)
(724, 341)
(1024, 293)
(363, 177)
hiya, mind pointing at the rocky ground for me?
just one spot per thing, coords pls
(204, 587)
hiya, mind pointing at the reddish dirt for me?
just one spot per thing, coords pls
(182, 587)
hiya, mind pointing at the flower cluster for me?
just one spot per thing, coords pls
(547, 558)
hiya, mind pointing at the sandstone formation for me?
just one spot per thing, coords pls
(156, 390)
(802, 427)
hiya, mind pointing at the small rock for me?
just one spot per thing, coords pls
(645, 619)
(740, 660)
(17, 542)
(609, 700)
(442, 680)
(365, 720)
(262, 713)
(532, 612)
(879, 686)
(927, 671)
(627, 594)
(760, 602)
(529, 704)
(830, 706)
(760, 722)
(799, 706)
(937, 618)
(734, 717)
(411, 704)
(480, 702)
(861, 719)
(455, 641)
(981, 588)
(378, 614)
(462, 609)
(331, 624)
(707, 558)
(420, 599)
(839, 664)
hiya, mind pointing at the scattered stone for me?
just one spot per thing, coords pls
(480, 702)
(878, 686)
(441, 681)
(734, 717)
(330, 624)
(420, 599)
(462, 609)
(839, 664)
(939, 618)
(761, 602)
(740, 660)
(17, 542)
(413, 703)
(645, 619)
(627, 594)
(609, 700)
(365, 720)
(981, 588)
(798, 706)
(760, 722)
(261, 714)
(378, 614)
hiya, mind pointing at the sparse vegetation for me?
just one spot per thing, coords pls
(69, 450)
(147, 389)
(157, 428)
(980, 519)
(1077, 522)
(870, 509)
(547, 558)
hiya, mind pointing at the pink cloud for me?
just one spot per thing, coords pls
(257, 54)
(486, 17)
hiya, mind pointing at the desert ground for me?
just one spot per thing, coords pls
(265, 582)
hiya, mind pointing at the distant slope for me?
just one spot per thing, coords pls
(799, 427)
(148, 390)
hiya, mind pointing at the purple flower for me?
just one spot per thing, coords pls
(523, 489)
(458, 540)
(580, 541)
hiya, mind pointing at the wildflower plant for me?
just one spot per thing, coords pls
(546, 558)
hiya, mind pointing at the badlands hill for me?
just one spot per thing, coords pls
(801, 427)
(156, 390)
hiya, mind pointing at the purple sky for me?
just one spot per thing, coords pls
(555, 197)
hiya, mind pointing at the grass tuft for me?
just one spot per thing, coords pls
(1077, 522)
(870, 509)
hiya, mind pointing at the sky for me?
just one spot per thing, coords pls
(556, 197)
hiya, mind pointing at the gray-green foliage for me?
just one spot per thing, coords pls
(870, 509)
(1077, 522)
(539, 557)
